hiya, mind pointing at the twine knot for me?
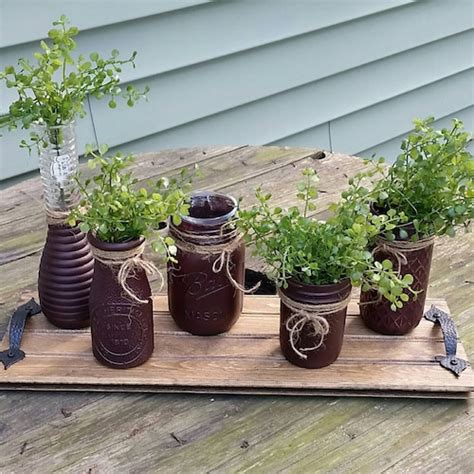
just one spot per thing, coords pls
(313, 315)
(129, 261)
(211, 245)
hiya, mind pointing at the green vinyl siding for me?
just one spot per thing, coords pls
(391, 148)
(340, 74)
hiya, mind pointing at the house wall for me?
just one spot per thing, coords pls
(333, 74)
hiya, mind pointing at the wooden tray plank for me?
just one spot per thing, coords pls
(248, 373)
(169, 344)
(265, 323)
(257, 325)
(271, 305)
(246, 360)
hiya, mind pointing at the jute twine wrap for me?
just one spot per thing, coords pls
(398, 248)
(210, 245)
(129, 261)
(312, 314)
(56, 217)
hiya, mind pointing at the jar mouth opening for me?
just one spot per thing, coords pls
(332, 292)
(210, 208)
(343, 283)
(115, 246)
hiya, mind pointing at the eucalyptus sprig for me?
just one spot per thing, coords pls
(431, 182)
(52, 92)
(115, 208)
(295, 245)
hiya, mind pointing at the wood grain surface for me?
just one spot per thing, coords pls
(245, 360)
(86, 432)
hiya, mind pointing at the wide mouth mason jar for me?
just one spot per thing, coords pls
(331, 343)
(202, 294)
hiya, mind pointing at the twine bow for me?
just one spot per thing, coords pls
(129, 261)
(308, 314)
(208, 245)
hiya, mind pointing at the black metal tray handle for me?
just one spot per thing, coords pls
(450, 361)
(17, 325)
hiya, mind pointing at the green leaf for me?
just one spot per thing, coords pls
(89, 148)
(407, 279)
(451, 231)
(173, 250)
(301, 187)
(84, 227)
(403, 234)
(103, 149)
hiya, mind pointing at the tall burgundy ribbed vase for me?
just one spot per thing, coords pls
(67, 265)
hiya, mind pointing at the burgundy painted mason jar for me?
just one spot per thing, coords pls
(331, 345)
(122, 328)
(202, 298)
(376, 312)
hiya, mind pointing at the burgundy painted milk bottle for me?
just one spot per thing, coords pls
(121, 311)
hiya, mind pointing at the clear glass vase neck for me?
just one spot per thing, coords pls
(58, 159)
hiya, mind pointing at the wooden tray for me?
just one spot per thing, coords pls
(245, 361)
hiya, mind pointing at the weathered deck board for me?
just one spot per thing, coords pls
(132, 432)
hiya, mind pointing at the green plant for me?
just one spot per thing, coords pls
(295, 245)
(431, 182)
(52, 92)
(116, 209)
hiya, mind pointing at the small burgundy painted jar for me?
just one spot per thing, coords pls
(312, 322)
(121, 311)
(412, 258)
(203, 287)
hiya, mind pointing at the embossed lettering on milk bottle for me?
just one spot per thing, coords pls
(202, 293)
(126, 332)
